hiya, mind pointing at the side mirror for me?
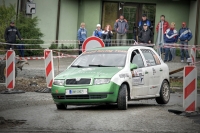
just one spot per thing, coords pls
(133, 66)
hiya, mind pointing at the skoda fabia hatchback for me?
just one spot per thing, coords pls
(113, 75)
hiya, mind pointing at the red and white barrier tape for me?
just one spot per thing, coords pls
(42, 58)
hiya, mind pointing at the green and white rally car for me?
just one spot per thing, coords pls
(113, 75)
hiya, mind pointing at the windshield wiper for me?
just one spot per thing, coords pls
(99, 65)
(77, 66)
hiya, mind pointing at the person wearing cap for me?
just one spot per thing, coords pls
(98, 31)
(121, 27)
(185, 35)
(170, 37)
(10, 35)
(144, 20)
(145, 35)
(82, 35)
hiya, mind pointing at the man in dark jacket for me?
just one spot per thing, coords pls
(185, 35)
(121, 27)
(10, 35)
(144, 21)
(145, 35)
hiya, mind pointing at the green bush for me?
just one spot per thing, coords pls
(53, 46)
(71, 46)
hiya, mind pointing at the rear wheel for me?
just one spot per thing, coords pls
(123, 98)
(61, 106)
(164, 93)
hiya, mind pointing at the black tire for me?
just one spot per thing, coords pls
(2, 71)
(123, 98)
(164, 93)
(61, 106)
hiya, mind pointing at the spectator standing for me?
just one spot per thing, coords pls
(145, 35)
(170, 37)
(107, 35)
(165, 27)
(121, 27)
(144, 21)
(10, 35)
(98, 31)
(185, 35)
(82, 35)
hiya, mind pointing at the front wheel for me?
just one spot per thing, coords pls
(123, 98)
(61, 106)
(164, 93)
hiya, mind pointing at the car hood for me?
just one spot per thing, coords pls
(91, 72)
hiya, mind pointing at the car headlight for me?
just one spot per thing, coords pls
(59, 82)
(101, 81)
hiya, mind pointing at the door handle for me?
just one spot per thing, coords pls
(161, 70)
(146, 72)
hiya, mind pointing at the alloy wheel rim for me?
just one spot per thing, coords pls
(166, 92)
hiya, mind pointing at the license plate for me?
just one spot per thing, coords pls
(76, 91)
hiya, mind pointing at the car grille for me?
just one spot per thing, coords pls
(75, 82)
(79, 96)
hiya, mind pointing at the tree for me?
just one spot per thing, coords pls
(7, 14)
(26, 25)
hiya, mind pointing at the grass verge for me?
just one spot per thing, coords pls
(179, 83)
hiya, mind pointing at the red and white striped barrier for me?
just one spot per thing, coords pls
(193, 54)
(49, 68)
(10, 69)
(190, 89)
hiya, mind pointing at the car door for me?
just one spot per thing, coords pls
(140, 80)
(153, 70)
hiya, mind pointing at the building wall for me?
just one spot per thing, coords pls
(46, 11)
(192, 19)
(68, 20)
(8, 2)
(90, 13)
(73, 12)
(174, 12)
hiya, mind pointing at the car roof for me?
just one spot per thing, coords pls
(119, 48)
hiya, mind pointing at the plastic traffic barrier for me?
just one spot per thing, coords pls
(190, 89)
(193, 54)
(10, 69)
(49, 68)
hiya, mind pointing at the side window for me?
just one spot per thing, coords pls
(137, 59)
(156, 58)
(150, 60)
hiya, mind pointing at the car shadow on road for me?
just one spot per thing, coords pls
(109, 107)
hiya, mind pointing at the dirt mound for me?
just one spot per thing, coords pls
(26, 84)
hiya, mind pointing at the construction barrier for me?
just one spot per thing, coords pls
(190, 89)
(193, 54)
(49, 68)
(10, 69)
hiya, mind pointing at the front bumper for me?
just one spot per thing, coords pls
(105, 93)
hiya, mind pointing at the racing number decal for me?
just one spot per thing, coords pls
(137, 77)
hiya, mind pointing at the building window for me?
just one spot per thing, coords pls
(110, 13)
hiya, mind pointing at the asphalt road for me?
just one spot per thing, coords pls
(41, 115)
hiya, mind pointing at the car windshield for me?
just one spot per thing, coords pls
(101, 58)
